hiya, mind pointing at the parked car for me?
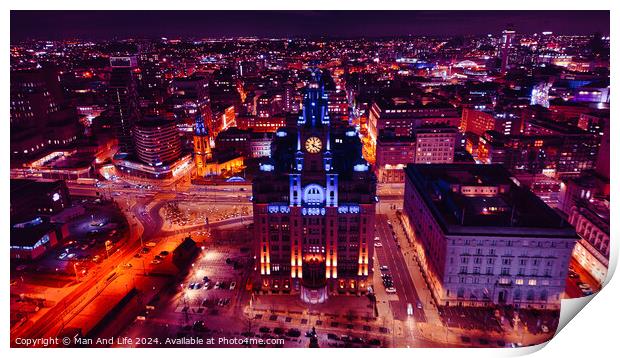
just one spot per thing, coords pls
(293, 332)
(333, 337)
(199, 325)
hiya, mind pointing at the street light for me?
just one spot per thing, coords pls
(108, 243)
(76, 272)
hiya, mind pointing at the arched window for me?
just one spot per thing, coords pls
(313, 194)
(530, 295)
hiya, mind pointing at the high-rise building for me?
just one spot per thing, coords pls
(484, 240)
(41, 119)
(314, 208)
(289, 96)
(190, 97)
(157, 142)
(123, 100)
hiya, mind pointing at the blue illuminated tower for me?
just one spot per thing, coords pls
(314, 207)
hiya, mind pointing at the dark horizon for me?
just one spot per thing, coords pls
(119, 24)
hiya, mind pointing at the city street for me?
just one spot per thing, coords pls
(391, 256)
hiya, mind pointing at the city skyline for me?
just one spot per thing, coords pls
(259, 189)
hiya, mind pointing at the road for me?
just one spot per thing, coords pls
(390, 255)
(572, 290)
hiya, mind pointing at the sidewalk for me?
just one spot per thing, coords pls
(435, 329)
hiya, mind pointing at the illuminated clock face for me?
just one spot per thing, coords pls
(313, 145)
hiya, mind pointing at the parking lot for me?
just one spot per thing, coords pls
(206, 301)
(38, 284)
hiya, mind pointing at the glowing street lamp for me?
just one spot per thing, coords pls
(108, 245)
(76, 272)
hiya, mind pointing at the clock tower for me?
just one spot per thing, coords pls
(314, 207)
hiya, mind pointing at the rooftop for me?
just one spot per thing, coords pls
(28, 236)
(473, 199)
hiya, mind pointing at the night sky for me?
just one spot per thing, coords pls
(97, 25)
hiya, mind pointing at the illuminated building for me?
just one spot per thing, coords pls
(123, 100)
(247, 68)
(30, 240)
(190, 98)
(483, 240)
(223, 116)
(429, 144)
(260, 144)
(591, 220)
(40, 117)
(223, 165)
(245, 142)
(567, 111)
(223, 89)
(234, 140)
(261, 124)
(314, 208)
(158, 151)
(540, 94)
(393, 154)
(68, 164)
(549, 148)
(202, 146)
(434, 145)
(268, 105)
(597, 123)
(289, 97)
(477, 121)
(506, 46)
(157, 141)
(543, 186)
(400, 116)
(595, 92)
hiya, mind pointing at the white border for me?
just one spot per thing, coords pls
(592, 332)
